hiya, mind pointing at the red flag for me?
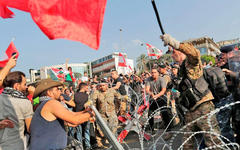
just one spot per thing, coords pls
(10, 50)
(78, 20)
(153, 51)
(18, 4)
(5, 12)
(122, 61)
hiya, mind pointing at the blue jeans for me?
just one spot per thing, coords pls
(82, 132)
(86, 133)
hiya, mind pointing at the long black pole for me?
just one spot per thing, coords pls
(158, 18)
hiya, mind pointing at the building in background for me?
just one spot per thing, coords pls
(206, 46)
(235, 42)
(103, 66)
(34, 75)
(78, 70)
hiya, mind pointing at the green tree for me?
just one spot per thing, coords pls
(165, 58)
(208, 58)
(142, 60)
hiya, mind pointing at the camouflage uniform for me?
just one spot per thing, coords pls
(194, 70)
(104, 102)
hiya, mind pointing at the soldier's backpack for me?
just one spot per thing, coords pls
(217, 83)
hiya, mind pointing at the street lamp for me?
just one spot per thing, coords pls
(121, 46)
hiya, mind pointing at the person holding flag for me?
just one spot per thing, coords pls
(6, 123)
(9, 63)
(69, 78)
(6, 69)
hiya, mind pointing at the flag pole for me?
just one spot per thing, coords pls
(13, 39)
(157, 15)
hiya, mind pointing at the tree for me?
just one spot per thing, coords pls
(165, 58)
(142, 60)
(207, 59)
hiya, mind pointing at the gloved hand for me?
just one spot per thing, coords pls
(168, 40)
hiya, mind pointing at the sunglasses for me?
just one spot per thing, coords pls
(59, 89)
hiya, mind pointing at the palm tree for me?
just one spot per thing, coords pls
(165, 58)
(142, 60)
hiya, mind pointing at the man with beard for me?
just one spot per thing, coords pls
(47, 126)
(15, 106)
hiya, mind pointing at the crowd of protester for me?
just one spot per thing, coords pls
(56, 114)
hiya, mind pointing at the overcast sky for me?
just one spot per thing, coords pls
(183, 19)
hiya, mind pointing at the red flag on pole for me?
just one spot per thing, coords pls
(9, 52)
(122, 61)
(78, 20)
(153, 51)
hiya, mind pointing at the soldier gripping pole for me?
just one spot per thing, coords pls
(158, 18)
(107, 132)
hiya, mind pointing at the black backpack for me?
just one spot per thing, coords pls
(217, 83)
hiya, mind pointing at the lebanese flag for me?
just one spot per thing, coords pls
(122, 61)
(153, 51)
(5, 12)
(78, 20)
(9, 51)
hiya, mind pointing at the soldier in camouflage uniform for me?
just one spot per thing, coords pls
(103, 99)
(196, 96)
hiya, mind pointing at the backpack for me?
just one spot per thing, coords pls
(217, 83)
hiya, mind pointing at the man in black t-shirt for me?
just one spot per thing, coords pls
(80, 98)
(118, 85)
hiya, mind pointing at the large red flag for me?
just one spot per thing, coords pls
(79, 20)
(5, 12)
(10, 50)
